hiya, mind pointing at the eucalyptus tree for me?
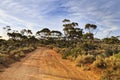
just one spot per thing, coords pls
(18, 36)
(10, 35)
(56, 34)
(28, 32)
(59, 34)
(79, 33)
(33, 40)
(38, 33)
(111, 40)
(7, 28)
(69, 29)
(23, 31)
(89, 27)
(45, 33)
(66, 20)
(88, 36)
(0, 36)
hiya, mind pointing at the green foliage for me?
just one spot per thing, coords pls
(66, 53)
(74, 45)
(117, 56)
(88, 36)
(111, 63)
(112, 40)
(22, 54)
(84, 59)
(110, 75)
(3, 58)
(87, 46)
(13, 50)
(70, 31)
(99, 62)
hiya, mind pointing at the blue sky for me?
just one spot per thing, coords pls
(38, 14)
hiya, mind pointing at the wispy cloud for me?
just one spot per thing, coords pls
(100, 12)
(36, 14)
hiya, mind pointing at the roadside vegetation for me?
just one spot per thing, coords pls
(16, 47)
(101, 56)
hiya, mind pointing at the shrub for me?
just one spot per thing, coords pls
(50, 46)
(27, 49)
(66, 53)
(22, 54)
(110, 63)
(110, 75)
(17, 57)
(117, 56)
(84, 59)
(108, 52)
(87, 46)
(3, 58)
(13, 52)
(99, 62)
(73, 52)
(106, 75)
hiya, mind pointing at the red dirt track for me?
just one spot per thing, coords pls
(45, 64)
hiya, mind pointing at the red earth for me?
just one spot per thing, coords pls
(45, 64)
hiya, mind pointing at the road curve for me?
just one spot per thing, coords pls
(44, 64)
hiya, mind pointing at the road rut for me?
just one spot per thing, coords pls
(45, 64)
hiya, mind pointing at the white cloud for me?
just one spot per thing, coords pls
(15, 23)
(100, 13)
(34, 14)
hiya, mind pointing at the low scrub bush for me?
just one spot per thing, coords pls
(111, 63)
(99, 62)
(84, 59)
(87, 46)
(110, 67)
(27, 49)
(117, 56)
(22, 54)
(50, 46)
(110, 75)
(3, 58)
(17, 57)
(66, 53)
(73, 52)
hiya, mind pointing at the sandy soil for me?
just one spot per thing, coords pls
(45, 64)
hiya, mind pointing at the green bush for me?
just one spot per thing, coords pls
(109, 63)
(66, 53)
(50, 46)
(73, 52)
(17, 57)
(87, 46)
(3, 57)
(99, 62)
(117, 56)
(112, 63)
(84, 59)
(22, 54)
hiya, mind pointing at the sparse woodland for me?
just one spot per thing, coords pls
(102, 56)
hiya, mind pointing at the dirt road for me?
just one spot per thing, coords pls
(45, 64)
